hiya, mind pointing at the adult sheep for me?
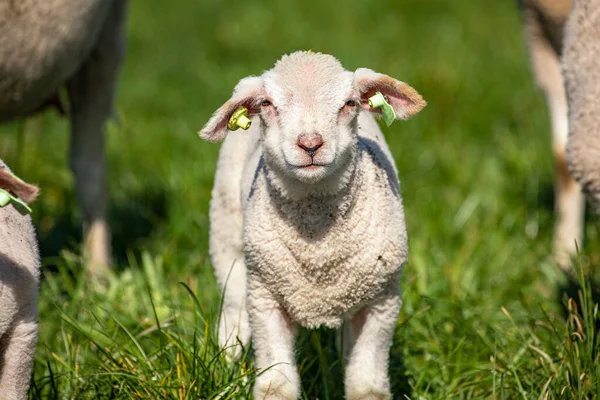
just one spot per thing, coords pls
(581, 69)
(19, 276)
(49, 44)
(544, 22)
(307, 223)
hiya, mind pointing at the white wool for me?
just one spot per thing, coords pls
(311, 239)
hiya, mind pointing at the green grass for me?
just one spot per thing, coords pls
(483, 315)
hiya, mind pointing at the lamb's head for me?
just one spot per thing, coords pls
(308, 106)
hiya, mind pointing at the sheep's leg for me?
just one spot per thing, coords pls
(228, 260)
(273, 342)
(17, 352)
(234, 328)
(226, 247)
(372, 332)
(91, 92)
(569, 201)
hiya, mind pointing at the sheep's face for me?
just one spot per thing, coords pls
(308, 107)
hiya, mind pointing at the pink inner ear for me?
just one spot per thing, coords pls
(403, 98)
(392, 96)
(402, 101)
(248, 102)
(223, 114)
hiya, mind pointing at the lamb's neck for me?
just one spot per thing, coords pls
(317, 203)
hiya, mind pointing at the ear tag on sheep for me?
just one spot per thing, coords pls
(239, 119)
(387, 111)
(6, 198)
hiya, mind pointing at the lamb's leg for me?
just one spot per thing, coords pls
(569, 202)
(372, 332)
(273, 342)
(234, 328)
(226, 224)
(91, 92)
(16, 362)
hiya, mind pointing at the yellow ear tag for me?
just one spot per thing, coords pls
(239, 119)
(387, 111)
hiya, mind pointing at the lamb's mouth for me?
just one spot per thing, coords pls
(307, 165)
(312, 165)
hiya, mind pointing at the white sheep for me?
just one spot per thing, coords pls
(544, 22)
(307, 223)
(48, 44)
(19, 276)
(581, 69)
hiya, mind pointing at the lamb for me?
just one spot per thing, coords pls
(581, 69)
(306, 219)
(19, 276)
(48, 44)
(544, 22)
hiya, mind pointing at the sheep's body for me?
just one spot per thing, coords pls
(325, 258)
(43, 45)
(544, 22)
(19, 276)
(48, 44)
(322, 258)
(581, 68)
(307, 223)
(347, 253)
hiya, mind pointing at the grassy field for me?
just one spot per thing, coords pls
(484, 316)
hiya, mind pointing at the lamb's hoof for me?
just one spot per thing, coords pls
(368, 394)
(271, 393)
(275, 385)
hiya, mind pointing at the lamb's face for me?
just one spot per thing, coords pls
(308, 107)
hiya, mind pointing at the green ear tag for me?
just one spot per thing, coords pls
(387, 111)
(6, 198)
(239, 120)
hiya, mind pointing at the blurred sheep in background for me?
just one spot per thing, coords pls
(50, 44)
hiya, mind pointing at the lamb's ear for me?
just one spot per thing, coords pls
(405, 100)
(245, 94)
(17, 187)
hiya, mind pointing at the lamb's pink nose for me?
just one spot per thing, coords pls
(310, 142)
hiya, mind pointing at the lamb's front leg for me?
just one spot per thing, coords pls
(17, 346)
(273, 342)
(372, 331)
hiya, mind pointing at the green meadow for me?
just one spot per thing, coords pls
(486, 312)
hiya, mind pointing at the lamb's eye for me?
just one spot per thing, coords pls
(265, 103)
(350, 103)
